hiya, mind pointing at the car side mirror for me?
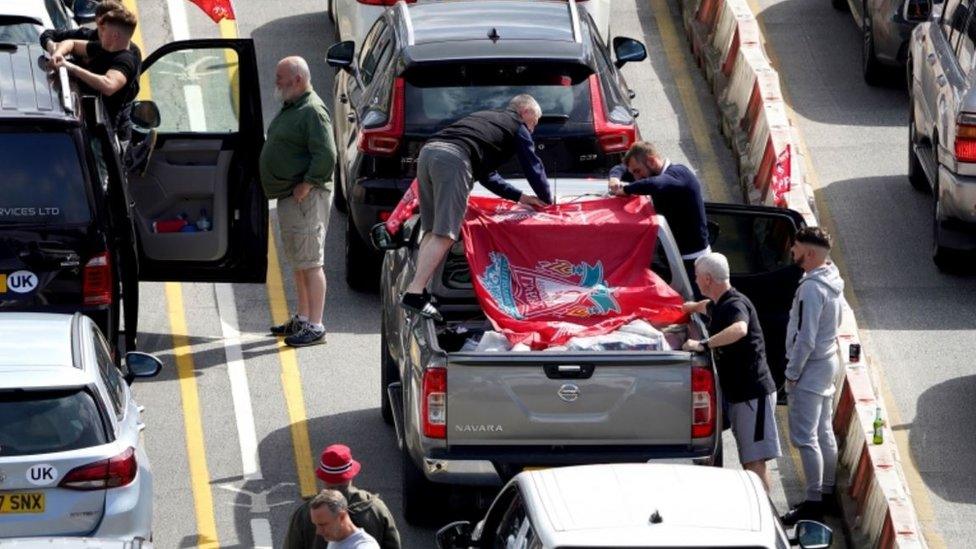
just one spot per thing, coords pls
(627, 50)
(810, 534)
(84, 11)
(145, 114)
(141, 365)
(917, 11)
(341, 55)
(383, 240)
(455, 535)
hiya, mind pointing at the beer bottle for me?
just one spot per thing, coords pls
(878, 424)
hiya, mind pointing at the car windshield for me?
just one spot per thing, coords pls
(40, 422)
(18, 30)
(439, 95)
(42, 179)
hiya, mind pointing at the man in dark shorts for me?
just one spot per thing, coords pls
(111, 66)
(448, 165)
(740, 356)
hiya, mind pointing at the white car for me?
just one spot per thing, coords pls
(354, 18)
(22, 21)
(632, 505)
(72, 458)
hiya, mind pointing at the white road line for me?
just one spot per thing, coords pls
(193, 94)
(177, 20)
(240, 392)
(261, 533)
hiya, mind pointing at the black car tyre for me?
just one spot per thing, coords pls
(388, 374)
(916, 176)
(362, 262)
(424, 502)
(870, 66)
(946, 259)
(339, 190)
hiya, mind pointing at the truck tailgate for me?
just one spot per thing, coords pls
(569, 399)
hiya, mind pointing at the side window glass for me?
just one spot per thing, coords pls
(752, 244)
(370, 41)
(371, 60)
(110, 374)
(957, 24)
(609, 77)
(57, 13)
(947, 15)
(512, 529)
(964, 51)
(197, 90)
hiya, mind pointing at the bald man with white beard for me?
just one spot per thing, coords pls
(296, 164)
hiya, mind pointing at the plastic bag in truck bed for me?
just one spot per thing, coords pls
(569, 270)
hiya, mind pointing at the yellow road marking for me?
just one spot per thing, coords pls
(192, 419)
(675, 51)
(291, 379)
(919, 492)
(193, 424)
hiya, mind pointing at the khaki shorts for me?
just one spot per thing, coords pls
(303, 228)
(444, 180)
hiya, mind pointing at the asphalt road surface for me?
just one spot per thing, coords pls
(917, 324)
(236, 421)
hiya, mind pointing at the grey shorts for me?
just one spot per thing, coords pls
(445, 181)
(303, 227)
(754, 427)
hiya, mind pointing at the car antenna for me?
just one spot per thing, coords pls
(656, 517)
(493, 34)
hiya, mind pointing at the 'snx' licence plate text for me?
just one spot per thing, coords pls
(25, 502)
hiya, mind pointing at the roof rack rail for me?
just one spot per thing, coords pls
(402, 6)
(574, 15)
(65, 91)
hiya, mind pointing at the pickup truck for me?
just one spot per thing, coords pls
(478, 419)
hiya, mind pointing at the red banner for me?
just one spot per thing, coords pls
(216, 9)
(576, 269)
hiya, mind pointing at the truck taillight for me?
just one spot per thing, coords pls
(385, 140)
(435, 402)
(966, 143)
(612, 137)
(100, 475)
(702, 402)
(97, 280)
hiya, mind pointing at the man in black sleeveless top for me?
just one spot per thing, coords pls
(448, 165)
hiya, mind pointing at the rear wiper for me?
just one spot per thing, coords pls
(554, 118)
(8, 46)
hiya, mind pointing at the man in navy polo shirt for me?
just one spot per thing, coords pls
(676, 193)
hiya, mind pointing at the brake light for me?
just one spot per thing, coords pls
(702, 402)
(385, 140)
(383, 2)
(107, 473)
(612, 137)
(97, 280)
(435, 402)
(966, 143)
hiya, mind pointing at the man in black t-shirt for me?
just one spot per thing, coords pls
(111, 66)
(740, 356)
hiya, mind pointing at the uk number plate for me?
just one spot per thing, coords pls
(21, 502)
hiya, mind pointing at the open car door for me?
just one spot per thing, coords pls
(198, 207)
(757, 240)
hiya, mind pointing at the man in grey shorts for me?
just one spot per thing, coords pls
(296, 169)
(448, 165)
(740, 356)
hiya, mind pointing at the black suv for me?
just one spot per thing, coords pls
(77, 233)
(424, 66)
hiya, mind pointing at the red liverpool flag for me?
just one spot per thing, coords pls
(575, 269)
(216, 9)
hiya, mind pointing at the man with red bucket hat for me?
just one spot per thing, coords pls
(336, 470)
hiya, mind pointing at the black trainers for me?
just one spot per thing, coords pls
(808, 510)
(308, 335)
(291, 326)
(420, 304)
(830, 505)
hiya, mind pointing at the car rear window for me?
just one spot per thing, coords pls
(50, 421)
(437, 95)
(17, 31)
(43, 180)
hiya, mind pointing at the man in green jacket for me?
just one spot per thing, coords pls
(336, 469)
(296, 169)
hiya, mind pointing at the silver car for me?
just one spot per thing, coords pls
(942, 126)
(72, 459)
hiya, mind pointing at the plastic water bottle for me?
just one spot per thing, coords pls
(204, 223)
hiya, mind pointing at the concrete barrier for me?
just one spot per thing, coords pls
(726, 41)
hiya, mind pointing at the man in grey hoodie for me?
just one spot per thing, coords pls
(812, 365)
